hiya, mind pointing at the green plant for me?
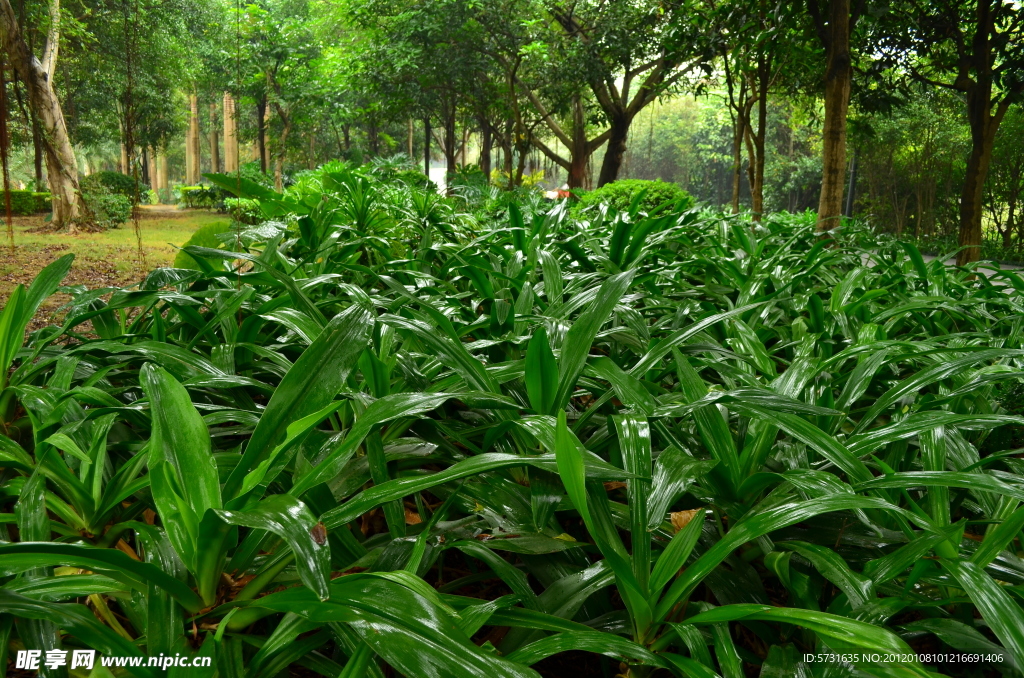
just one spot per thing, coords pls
(205, 236)
(244, 210)
(114, 182)
(637, 195)
(390, 434)
(108, 210)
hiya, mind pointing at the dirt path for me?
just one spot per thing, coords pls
(103, 259)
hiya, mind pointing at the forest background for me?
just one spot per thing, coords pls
(905, 114)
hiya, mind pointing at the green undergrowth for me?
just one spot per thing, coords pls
(401, 434)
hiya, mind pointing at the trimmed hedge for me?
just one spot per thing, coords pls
(26, 203)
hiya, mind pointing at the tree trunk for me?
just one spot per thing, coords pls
(409, 139)
(261, 132)
(852, 188)
(485, 148)
(37, 152)
(739, 126)
(465, 143)
(161, 174)
(230, 134)
(426, 146)
(449, 148)
(286, 128)
(61, 165)
(982, 134)
(214, 140)
(616, 149)
(838, 73)
(984, 125)
(757, 186)
(192, 166)
(148, 165)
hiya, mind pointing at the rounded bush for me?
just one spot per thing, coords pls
(114, 182)
(620, 194)
(108, 210)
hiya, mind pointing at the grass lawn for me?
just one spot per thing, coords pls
(102, 259)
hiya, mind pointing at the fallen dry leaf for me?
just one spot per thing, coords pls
(681, 519)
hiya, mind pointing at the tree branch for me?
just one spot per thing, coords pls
(546, 150)
(52, 40)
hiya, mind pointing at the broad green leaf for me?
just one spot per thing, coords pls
(292, 521)
(580, 336)
(311, 383)
(541, 374)
(183, 474)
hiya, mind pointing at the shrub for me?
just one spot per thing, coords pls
(108, 210)
(114, 182)
(244, 210)
(620, 195)
(23, 203)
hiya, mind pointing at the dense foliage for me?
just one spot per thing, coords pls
(633, 195)
(388, 433)
(25, 202)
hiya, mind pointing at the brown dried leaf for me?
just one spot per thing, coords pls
(681, 519)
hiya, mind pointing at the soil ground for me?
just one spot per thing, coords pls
(102, 259)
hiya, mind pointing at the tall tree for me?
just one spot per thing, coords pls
(975, 47)
(630, 54)
(834, 24)
(61, 165)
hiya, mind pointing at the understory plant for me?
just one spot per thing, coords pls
(389, 438)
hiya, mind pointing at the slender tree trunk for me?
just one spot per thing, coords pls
(61, 165)
(214, 140)
(161, 174)
(192, 166)
(409, 139)
(852, 188)
(230, 135)
(757, 186)
(739, 125)
(148, 165)
(485, 148)
(616, 149)
(261, 132)
(426, 146)
(449, 148)
(286, 128)
(373, 134)
(838, 74)
(465, 143)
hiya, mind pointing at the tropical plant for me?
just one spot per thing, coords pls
(635, 195)
(683, 442)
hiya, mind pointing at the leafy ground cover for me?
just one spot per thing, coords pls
(386, 433)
